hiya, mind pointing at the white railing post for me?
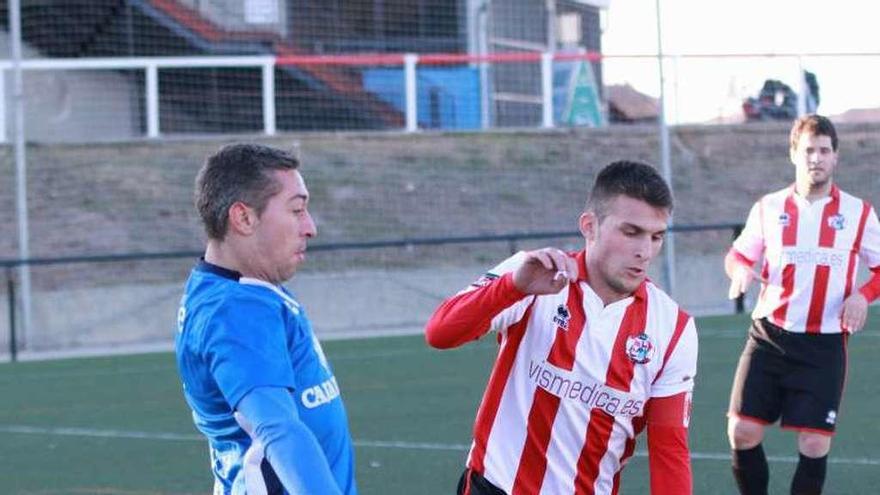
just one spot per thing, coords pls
(547, 89)
(152, 100)
(3, 138)
(269, 98)
(802, 87)
(409, 75)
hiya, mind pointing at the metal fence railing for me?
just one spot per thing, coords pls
(513, 242)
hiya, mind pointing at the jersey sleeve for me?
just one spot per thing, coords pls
(870, 248)
(514, 312)
(269, 416)
(246, 347)
(680, 365)
(750, 242)
(667, 420)
(491, 303)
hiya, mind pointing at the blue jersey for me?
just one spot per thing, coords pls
(236, 334)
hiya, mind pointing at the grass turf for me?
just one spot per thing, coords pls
(119, 425)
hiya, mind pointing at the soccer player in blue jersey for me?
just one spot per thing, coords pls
(253, 372)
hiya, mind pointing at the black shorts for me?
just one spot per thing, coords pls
(795, 377)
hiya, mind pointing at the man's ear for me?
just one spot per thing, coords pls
(589, 225)
(242, 218)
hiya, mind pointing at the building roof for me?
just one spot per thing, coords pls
(631, 104)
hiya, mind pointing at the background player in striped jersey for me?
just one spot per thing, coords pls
(591, 353)
(254, 374)
(811, 236)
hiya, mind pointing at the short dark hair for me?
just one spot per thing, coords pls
(629, 178)
(237, 172)
(815, 125)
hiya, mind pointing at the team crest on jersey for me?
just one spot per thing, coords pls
(837, 222)
(639, 348)
(784, 219)
(562, 316)
(484, 280)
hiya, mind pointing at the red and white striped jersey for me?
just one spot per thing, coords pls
(572, 381)
(811, 253)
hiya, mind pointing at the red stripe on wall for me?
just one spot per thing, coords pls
(495, 388)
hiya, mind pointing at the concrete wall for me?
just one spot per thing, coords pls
(136, 197)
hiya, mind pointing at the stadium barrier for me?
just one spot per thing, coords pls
(513, 242)
(120, 98)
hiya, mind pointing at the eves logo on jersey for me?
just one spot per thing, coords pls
(784, 219)
(639, 348)
(561, 317)
(837, 222)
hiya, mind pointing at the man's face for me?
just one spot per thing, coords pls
(814, 160)
(283, 228)
(621, 246)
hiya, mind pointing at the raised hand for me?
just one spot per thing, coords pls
(545, 271)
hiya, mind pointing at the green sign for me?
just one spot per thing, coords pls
(583, 106)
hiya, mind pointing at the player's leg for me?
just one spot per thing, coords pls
(755, 401)
(809, 477)
(812, 411)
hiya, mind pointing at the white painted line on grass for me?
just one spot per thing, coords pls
(381, 444)
(95, 433)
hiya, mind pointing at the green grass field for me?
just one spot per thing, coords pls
(119, 425)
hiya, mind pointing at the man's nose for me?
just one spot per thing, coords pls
(643, 248)
(309, 227)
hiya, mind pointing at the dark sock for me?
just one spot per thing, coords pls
(750, 471)
(809, 476)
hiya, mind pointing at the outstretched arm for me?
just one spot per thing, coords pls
(269, 416)
(468, 315)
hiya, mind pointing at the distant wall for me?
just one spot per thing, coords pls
(137, 196)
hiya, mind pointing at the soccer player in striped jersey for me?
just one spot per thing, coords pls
(811, 236)
(253, 373)
(591, 354)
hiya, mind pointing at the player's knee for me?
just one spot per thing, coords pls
(744, 434)
(814, 444)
